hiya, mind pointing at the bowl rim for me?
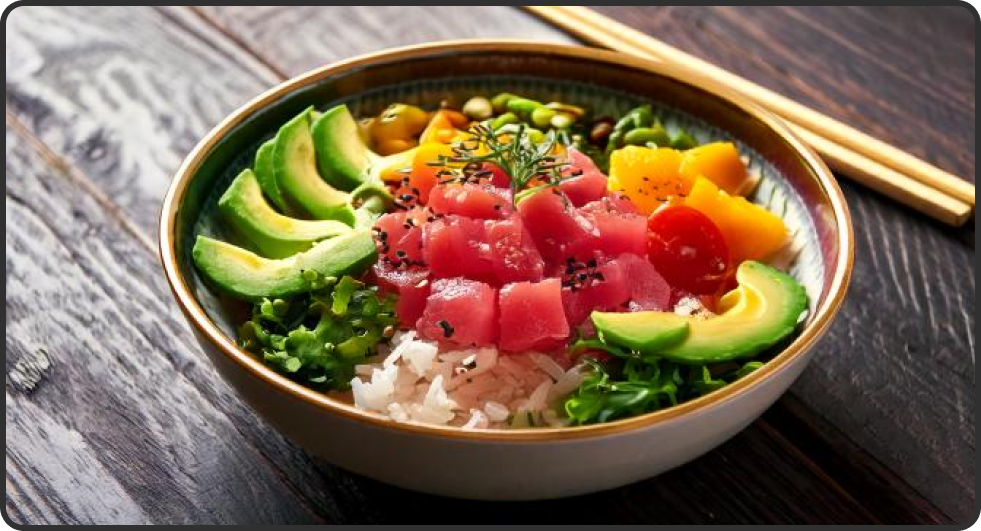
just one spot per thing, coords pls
(227, 346)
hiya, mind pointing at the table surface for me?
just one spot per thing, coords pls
(115, 415)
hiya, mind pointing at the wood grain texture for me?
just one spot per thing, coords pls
(124, 93)
(855, 64)
(109, 112)
(118, 430)
(321, 35)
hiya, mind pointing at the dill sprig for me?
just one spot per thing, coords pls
(515, 153)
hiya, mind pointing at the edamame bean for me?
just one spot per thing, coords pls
(500, 102)
(542, 117)
(523, 106)
(642, 135)
(504, 119)
(684, 141)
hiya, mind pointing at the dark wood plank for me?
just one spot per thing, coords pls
(896, 373)
(905, 75)
(320, 35)
(879, 489)
(123, 93)
(106, 418)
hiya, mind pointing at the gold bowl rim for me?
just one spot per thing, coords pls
(199, 319)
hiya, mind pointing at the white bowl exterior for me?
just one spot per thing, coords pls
(514, 470)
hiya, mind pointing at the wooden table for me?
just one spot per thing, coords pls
(115, 415)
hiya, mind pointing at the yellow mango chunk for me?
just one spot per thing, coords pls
(649, 177)
(750, 231)
(718, 162)
(444, 127)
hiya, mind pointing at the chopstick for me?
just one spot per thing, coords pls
(865, 159)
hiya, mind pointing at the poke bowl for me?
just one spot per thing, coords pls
(504, 269)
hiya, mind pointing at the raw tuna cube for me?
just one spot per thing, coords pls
(411, 284)
(558, 229)
(532, 317)
(590, 185)
(618, 232)
(513, 252)
(455, 246)
(497, 177)
(618, 202)
(399, 236)
(585, 292)
(478, 201)
(648, 289)
(461, 312)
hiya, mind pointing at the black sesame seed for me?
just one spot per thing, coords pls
(447, 329)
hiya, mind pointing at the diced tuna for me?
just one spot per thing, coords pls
(514, 256)
(590, 185)
(478, 201)
(410, 284)
(559, 230)
(498, 177)
(648, 289)
(618, 232)
(399, 235)
(460, 312)
(605, 288)
(456, 246)
(532, 317)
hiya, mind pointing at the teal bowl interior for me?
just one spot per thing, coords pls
(788, 187)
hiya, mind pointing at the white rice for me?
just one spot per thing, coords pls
(475, 388)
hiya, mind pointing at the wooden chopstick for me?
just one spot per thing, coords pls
(917, 184)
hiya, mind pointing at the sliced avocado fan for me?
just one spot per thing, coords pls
(272, 233)
(249, 276)
(295, 167)
(342, 155)
(764, 309)
(266, 176)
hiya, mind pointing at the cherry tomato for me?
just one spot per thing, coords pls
(687, 249)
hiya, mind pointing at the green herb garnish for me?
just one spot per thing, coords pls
(518, 155)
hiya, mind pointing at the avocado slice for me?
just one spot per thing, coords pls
(266, 175)
(295, 167)
(641, 331)
(249, 276)
(274, 235)
(764, 309)
(342, 156)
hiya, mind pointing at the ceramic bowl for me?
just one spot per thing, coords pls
(525, 463)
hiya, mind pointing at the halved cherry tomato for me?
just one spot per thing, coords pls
(687, 249)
